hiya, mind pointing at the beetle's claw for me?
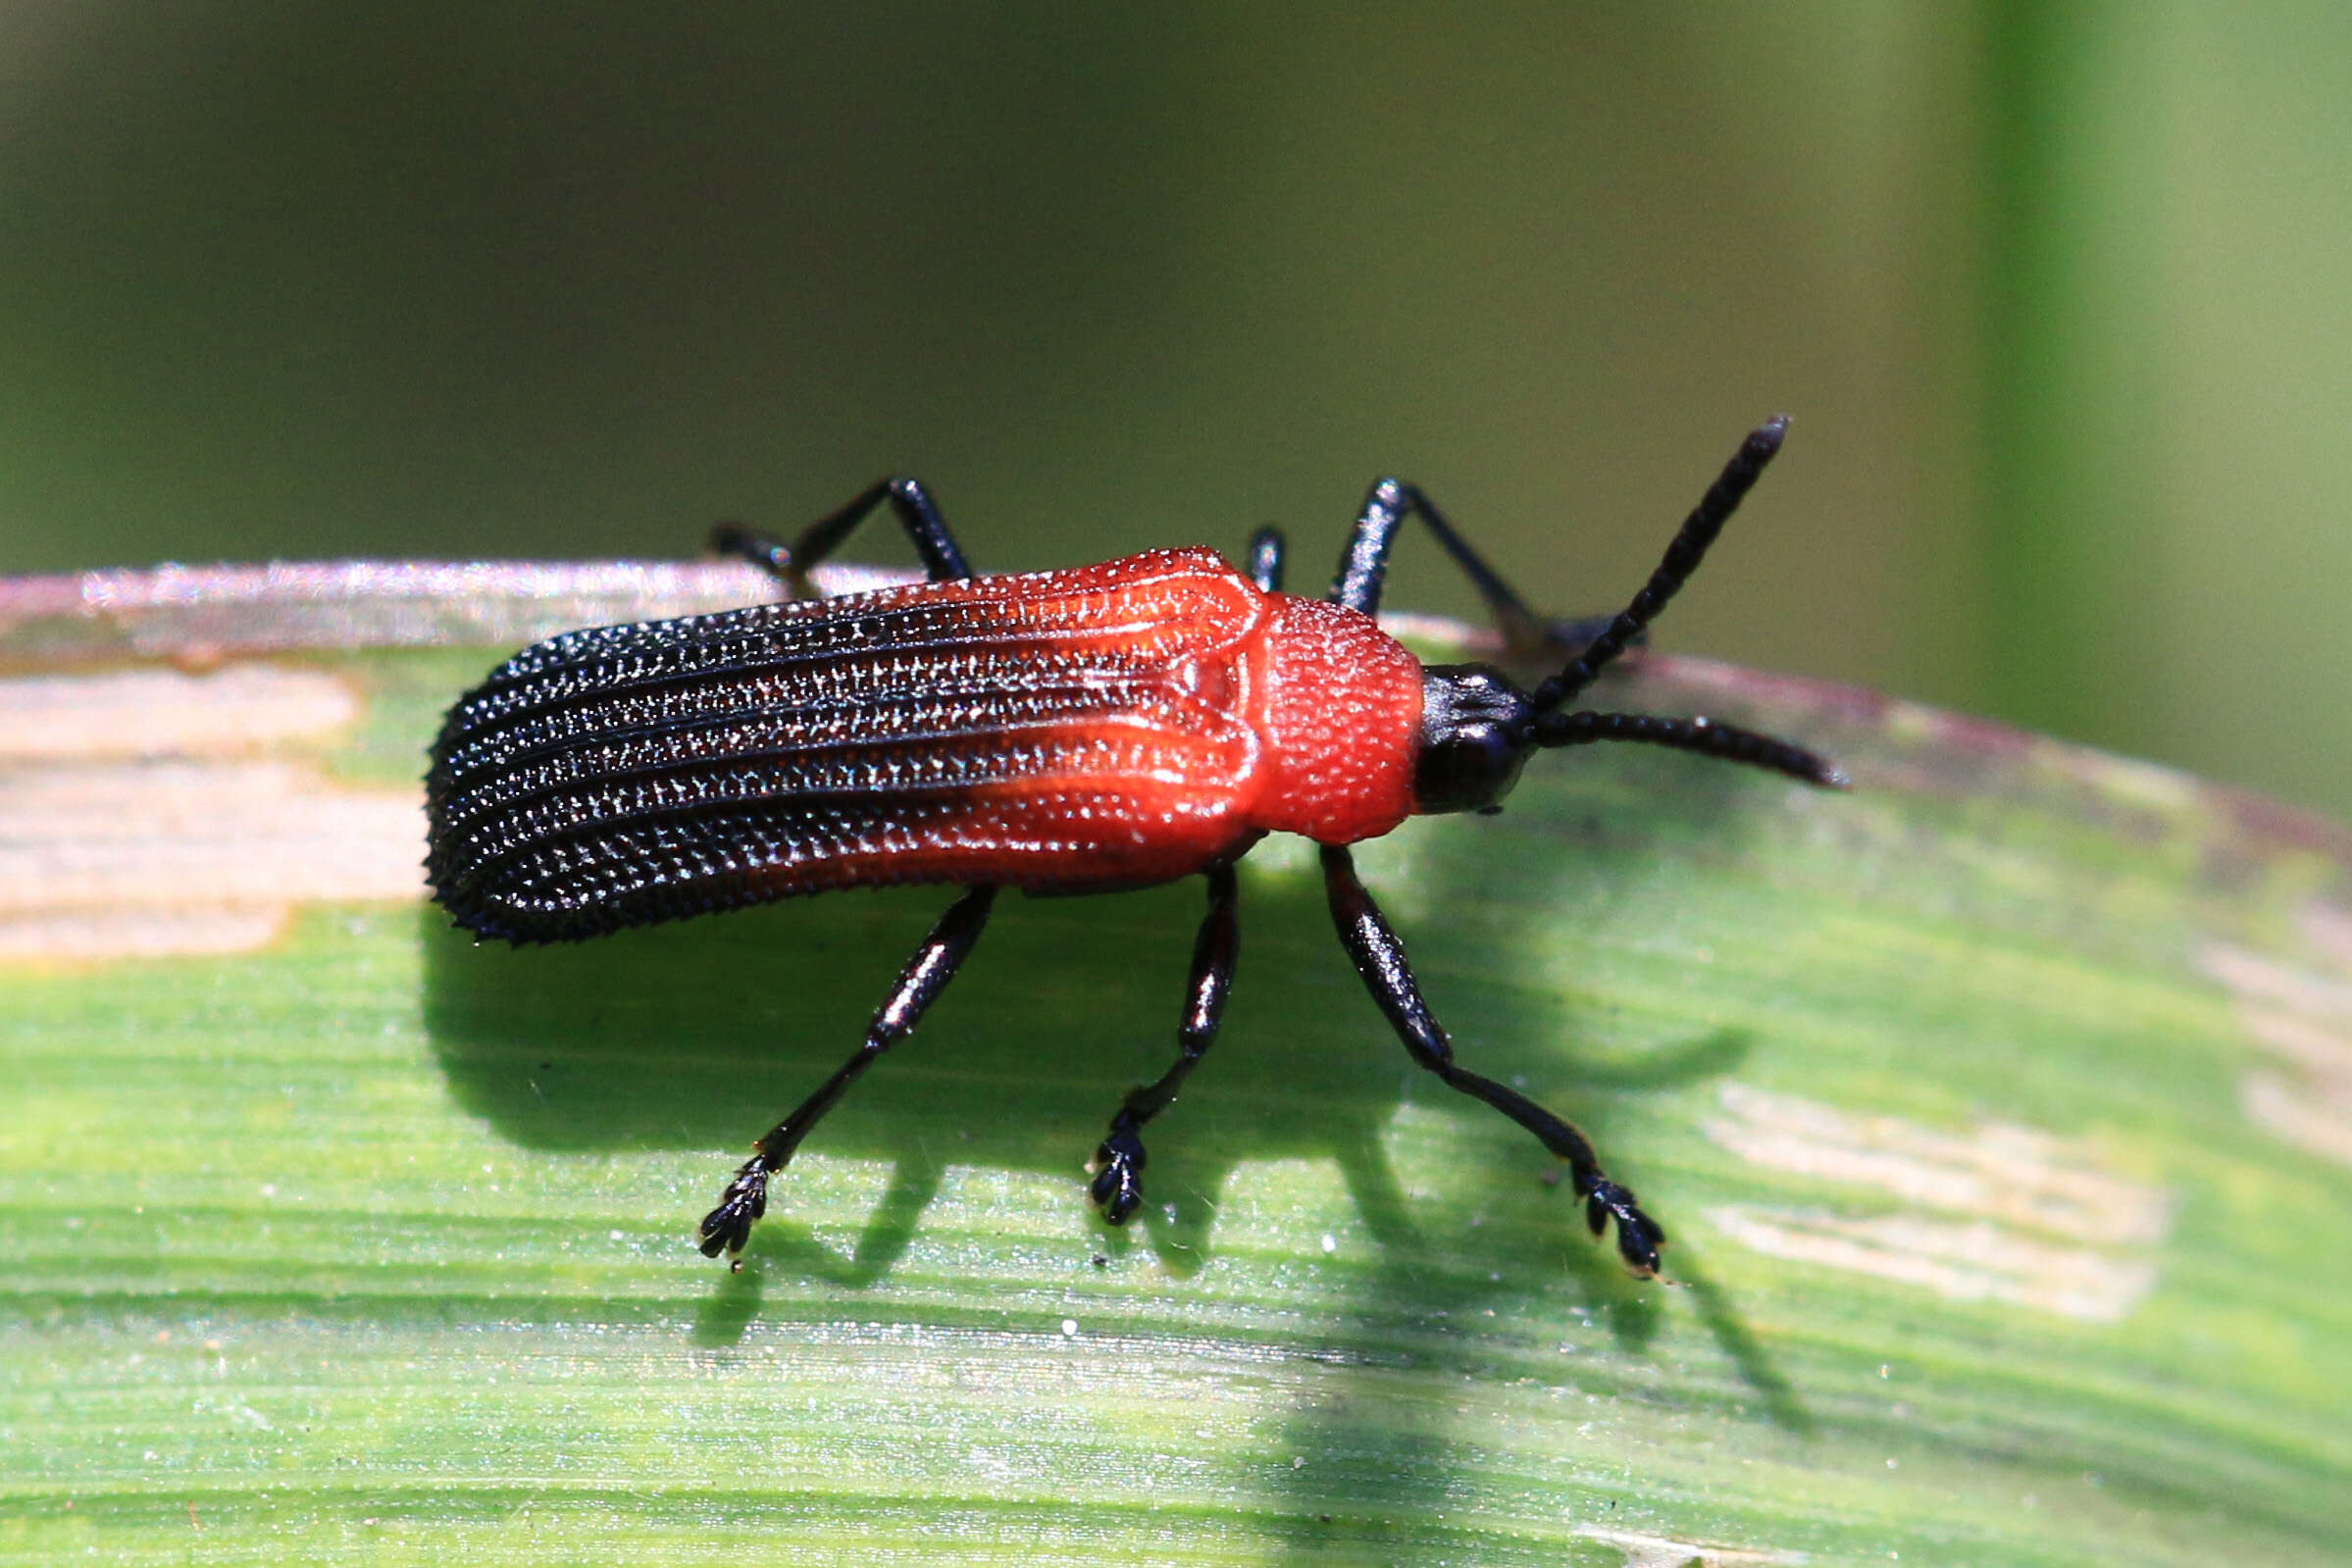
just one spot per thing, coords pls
(1639, 1237)
(728, 1227)
(1118, 1166)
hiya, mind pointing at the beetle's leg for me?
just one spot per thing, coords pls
(1364, 566)
(788, 564)
(1595, 640)
(1118, 1185)
(729, 1226)
(1268, 550)
(1379, 957)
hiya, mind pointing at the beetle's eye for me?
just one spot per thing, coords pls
(1467, 770)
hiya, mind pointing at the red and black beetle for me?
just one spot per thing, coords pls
(1082, 731)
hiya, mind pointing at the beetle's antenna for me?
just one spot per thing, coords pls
(1683, 558)
(1702, 736)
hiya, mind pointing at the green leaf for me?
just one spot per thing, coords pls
(2000, 1111)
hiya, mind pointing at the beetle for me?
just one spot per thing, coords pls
(1081, 730)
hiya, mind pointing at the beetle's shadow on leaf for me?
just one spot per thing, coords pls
(694, 1037)
(697, 1035)
(1546, 877)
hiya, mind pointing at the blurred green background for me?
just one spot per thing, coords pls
(2059, 297)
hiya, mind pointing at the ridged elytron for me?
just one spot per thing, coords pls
(1083, 730)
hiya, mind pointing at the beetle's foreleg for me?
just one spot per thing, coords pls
(1379, 957)
(729, 1226)
(1118, 1166)
(788, 564)
(1363, 570)
(1364, 566)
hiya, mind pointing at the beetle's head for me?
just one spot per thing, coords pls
(1476, 731)
(1477, 727)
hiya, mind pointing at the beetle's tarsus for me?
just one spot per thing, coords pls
(728, 1227)
(1118, 1166)
(1639, 1237)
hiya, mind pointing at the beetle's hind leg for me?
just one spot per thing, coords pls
(1118, 1165)
(943, 558)
(729, 1226)
(1379, 957)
